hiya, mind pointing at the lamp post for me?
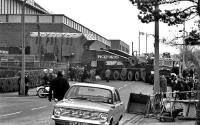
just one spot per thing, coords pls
(184, 47)
(22, 84)
(185, 33)
(140, 33)
(147, 38)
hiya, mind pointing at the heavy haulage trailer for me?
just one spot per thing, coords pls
(122, 66)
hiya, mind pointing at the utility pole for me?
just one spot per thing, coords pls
(39, 41)
(132, 49)
(156, 47)
(139, 44)
(146, 42)
(184, 46)
(22, 84)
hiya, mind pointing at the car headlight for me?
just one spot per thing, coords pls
(103, 116)
(57, 111)
(152, 72)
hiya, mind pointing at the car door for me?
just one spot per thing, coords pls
(118, 106)
(121, 109)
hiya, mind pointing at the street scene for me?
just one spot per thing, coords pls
(125, 62)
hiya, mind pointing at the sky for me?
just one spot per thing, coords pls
(112, 19)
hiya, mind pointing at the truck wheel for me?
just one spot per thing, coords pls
(143, 76)
(116, 75)
(137, 76)
(130, 75)
(123, 77)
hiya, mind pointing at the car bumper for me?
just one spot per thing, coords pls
(67, 120)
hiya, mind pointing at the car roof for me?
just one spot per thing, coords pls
(95, 85)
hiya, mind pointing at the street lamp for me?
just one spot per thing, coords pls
(146, 39)
(140, 33)
(184, 45)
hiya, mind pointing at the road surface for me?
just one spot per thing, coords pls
(32, 110)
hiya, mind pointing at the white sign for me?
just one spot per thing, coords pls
(112, 63)
(107, 57)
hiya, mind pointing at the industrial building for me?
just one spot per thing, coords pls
(37, 19)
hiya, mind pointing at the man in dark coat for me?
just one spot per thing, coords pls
(27, 81)
(59, 86)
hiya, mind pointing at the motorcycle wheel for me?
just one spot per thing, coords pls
(40, 93)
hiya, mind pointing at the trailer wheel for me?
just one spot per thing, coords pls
(137, 76)
(130, 75)
(123, 77)
(116, 75)
(143, 76)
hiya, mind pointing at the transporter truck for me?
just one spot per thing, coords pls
(122, 67)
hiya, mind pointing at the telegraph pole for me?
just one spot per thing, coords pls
(146, 42)
(39, 41)
(184, 46)
(22, 84)
(132, 49)
(156, 47)
(139, 44)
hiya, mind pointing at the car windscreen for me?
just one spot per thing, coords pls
(89, 93)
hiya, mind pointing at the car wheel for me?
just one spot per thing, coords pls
(40, 93)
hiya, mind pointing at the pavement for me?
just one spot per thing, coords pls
(128, 119)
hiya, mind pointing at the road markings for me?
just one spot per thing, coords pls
(120, 88)
(11, 114)
(123, 86)
(38, 108)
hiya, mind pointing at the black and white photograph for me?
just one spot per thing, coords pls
(99, 62)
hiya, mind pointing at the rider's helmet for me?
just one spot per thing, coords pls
(50, 71)
(45, 71)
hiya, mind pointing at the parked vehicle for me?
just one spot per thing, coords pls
(43, 91)
(86, 104)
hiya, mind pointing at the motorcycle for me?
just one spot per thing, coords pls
(43, 91)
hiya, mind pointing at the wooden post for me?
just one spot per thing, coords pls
(156, 59)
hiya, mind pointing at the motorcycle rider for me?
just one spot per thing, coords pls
(45, 78)
(59, 86)
(51, 75)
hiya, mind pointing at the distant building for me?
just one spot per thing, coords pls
(120, 45)
(37, 19)
(15, 7)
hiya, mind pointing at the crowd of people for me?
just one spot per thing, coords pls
(82, 74)
(184, 85)
(56, 81)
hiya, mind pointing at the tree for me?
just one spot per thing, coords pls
(170, 16)
(173, 16)
(176, 15)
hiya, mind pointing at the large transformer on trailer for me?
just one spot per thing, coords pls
(122, 66)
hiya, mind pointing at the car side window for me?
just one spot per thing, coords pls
(116, 96)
